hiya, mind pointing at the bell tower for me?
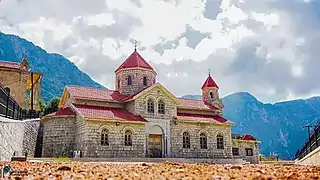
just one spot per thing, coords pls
(134, 75)
(210, 93)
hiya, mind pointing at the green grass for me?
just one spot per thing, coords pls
(61, 159)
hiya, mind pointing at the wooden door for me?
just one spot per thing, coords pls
(155, 145)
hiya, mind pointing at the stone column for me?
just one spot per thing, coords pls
(165, 146)
(146, 145)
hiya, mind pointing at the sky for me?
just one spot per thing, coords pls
(269, 48)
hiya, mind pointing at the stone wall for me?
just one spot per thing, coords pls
(137, 80)
(58, 137)
(194, 129)
(313, 158)
(17, 136)
(242, 145)
(16, 81)
(116, 146)
(139, 106)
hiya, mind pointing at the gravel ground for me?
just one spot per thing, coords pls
(80, 170)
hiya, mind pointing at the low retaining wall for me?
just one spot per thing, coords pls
(19, 136)
(313, 158)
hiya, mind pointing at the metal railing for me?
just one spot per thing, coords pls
(311, 144)
(9, 108)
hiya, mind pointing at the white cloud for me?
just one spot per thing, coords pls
(256, 46)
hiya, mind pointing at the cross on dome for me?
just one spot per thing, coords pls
(135, 42)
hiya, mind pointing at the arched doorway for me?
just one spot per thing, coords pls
(155, 142)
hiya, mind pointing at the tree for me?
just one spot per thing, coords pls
(42, 105)
(52, 106)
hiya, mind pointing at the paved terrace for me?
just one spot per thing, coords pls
(168, 170)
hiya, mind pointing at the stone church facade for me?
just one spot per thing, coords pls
(141, 118)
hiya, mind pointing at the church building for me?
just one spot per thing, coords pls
(142, 118)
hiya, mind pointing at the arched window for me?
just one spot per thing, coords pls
(203, 141)
(118, 83)
(129, 80)
(211, 95)
(161, 109)
(128, 138)
(104, 137)
(220, 142)
(145, 81)
(150, 106)
(186, 140)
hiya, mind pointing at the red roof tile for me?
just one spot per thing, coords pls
(201, 117)
(133, 61)
(12, 65)
(95, 93)
(195, 104)
(244, 137)
(107, 113)
(209, 83)
(62, 112)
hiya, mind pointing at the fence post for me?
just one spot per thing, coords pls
(20, 114)
(7, 106)
(13, 109)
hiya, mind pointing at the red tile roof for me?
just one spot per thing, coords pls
(201, 117)
(95, 94)
(133, 61)
(209, 83)
(107, 113)
(12, 65)
(195, 104)
(62, 112)
(244, 137)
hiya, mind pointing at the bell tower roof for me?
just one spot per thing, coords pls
(135, 60)
(209, 83)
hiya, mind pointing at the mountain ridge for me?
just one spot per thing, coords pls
(55, 66)
(278, 125)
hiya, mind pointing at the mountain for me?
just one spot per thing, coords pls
(58, 71)
(278, 126)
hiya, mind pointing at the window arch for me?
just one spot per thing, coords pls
(203, 141)
(220, 144)
(211, 94)
(145, 81)
(186, 140)
(161, 107)
(129, 80)
(104, 137)
(150, 106)
(128, 138)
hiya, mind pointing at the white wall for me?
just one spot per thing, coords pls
(13, 133)
(313, 158)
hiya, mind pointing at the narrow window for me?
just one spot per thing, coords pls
(128, 138)
(104, 137)
(211, 95)
(220, 142)
(129, 80)
(235, 151)
(249, 152)
(145, 81)
(203, 141)
(186, 140)
(161, 109)
(118, 83)
(150, 106)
